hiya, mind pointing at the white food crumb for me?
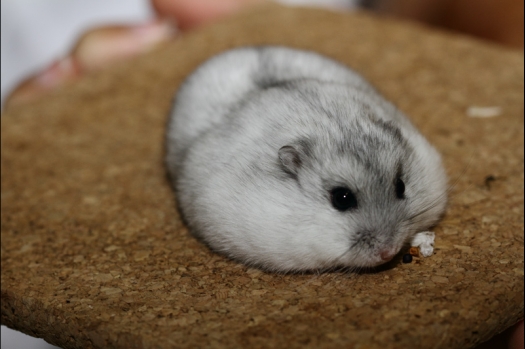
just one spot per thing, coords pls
(483, 112)
(425, 241)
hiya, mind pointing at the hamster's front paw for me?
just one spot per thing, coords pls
(425, 241)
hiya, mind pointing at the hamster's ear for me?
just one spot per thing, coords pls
(293, 156)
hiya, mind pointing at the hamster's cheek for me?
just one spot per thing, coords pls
(354, 259)
(309, 248)
(315, 255)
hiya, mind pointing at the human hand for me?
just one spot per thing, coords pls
(104, 46)
(511, 338)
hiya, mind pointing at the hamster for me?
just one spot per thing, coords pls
(289, 161)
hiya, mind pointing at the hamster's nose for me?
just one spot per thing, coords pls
(387, 255)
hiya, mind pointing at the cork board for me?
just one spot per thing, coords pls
(94, 254)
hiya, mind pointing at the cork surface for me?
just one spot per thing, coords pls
(94, 254)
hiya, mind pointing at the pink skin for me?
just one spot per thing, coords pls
(516, 338)
(387, 255)
(101, 47)
(192, 13)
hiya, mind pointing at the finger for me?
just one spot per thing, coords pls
(516, 339)
(57, 74)
(191, 13)
(95, 50)
(104, 46)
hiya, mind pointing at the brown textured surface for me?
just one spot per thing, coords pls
(94, 255)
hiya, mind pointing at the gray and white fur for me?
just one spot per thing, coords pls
(258, 140)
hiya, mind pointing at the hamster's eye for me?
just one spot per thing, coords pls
(343, 199)
(400, 188)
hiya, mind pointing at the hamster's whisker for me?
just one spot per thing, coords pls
(332, 271)
(455, 181)
(337, 260)
(429, 207)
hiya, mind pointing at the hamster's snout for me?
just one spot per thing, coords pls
(387, 255)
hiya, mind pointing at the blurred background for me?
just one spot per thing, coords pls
(38, 37)
(35, 34)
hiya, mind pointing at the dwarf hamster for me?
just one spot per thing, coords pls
(289, 161)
